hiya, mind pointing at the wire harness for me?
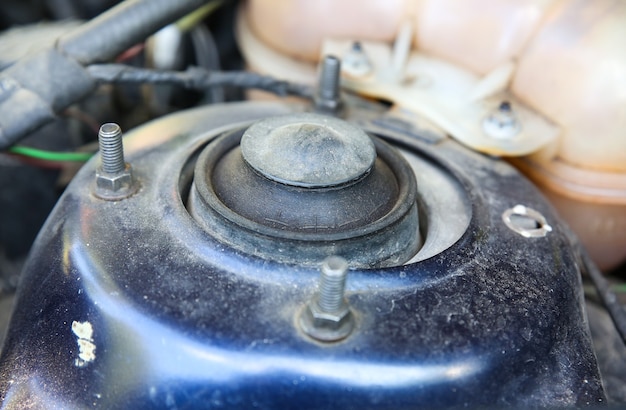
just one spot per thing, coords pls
(196, 78)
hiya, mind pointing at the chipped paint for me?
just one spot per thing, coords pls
(86, 347)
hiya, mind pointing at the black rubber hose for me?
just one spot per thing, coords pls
(121, 27)
(208, 57)
(39, 85)
(616, 310)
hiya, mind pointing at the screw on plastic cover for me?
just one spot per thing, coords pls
(502, 123)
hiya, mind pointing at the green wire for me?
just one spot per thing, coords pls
(191, 20)
(50, 155)
(619, 288)
(615, 288)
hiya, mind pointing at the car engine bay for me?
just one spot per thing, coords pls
(281, 204)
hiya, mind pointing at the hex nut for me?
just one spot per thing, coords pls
(115, 186)
(326, 326)
(328, 106)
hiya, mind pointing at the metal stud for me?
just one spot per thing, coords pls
(327, 316)
(114, 178)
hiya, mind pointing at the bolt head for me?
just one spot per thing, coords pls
(326, 326)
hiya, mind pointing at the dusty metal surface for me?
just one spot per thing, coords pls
(178, 318)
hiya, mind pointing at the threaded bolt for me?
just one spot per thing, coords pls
(327, 316)
(114, 178)
(329, 78)
(328, 87)
(332, 284)
(111, 148)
